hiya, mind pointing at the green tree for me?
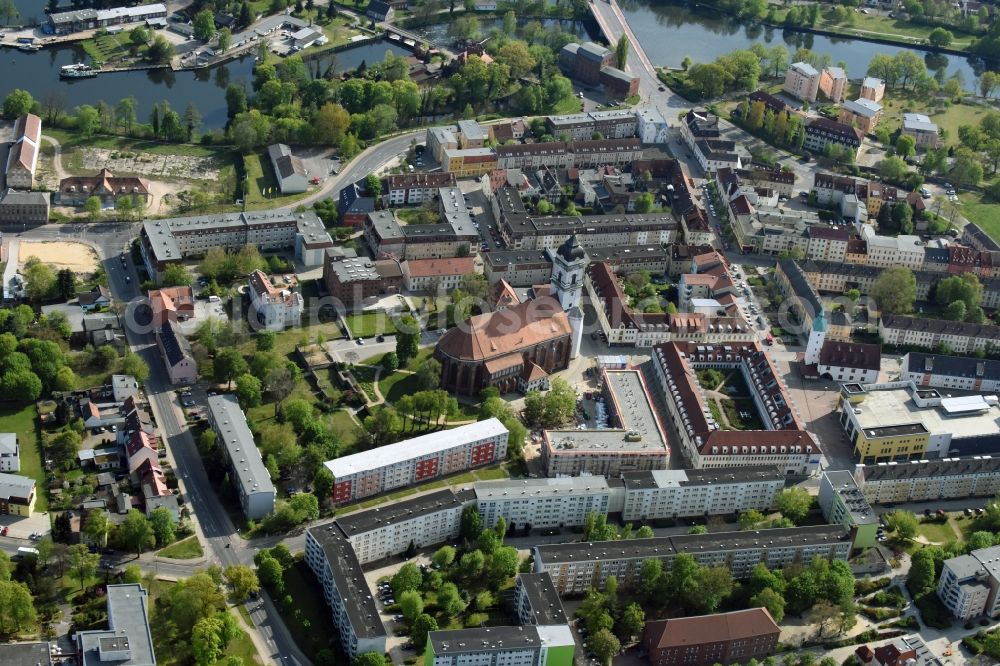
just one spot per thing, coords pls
(228, 364)
(270, 572)
(772, 601)
(204, 25)
(964, 287)
(895, 290)
(903, 523)
(225, 38)
(96, 528)
(604, 645)
(794, 503)
(407, 578)
(472, 564)
(644, 203)
(450, 601)
(750, 519)
(940, 37)
(621, 52)
(632, 622)
(471, 523)
(163, 525)
(176, 275)
(17, 607)
(906, 146)
(407, 339)
(138, 36)
(248, 391)
(17, 103)
(922, 572)
(411, 604)
(503, 563)
(369, 659)
(134, 365)
(423, 625)
(92, 206)
(323, 484)
(82, 563)
(444, 556)
(135, 533)
(242, 581)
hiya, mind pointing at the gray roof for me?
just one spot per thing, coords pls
(128, 629)
(471, 130)
(73, 16)
(701, 477)
(16, 198)
(398, 512)
(484, 639)
(920, 469)
(635, 413)
(616, 73)
(8, 442)
(240, 447)
(357, 269)
(693, 543)
(592, 51)
(941, 326)
(863, 107)
(385, 224)
(918, 122)
(349, 579)
(546, 607)
(15, 485)
(953, 366)
(846, 488)
(804, 68)
(965, 566)
(800, 285)
(25, 654)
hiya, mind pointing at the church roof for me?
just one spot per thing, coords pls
(494, 334)
(571, 250)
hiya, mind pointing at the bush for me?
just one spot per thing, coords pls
(932, 612)
(864, 586)
(879, 614)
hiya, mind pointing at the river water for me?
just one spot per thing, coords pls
(669, 32)
(38, 73)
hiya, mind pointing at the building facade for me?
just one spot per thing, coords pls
(246, 468)
(720, 638)
(417, 459)
(275, 308)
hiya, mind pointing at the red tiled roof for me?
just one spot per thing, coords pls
(685, 631)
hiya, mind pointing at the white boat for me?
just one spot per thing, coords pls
(75, 67)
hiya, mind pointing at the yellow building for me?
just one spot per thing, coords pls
(469, 163)
(17, 495)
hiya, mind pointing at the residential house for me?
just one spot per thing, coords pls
(436, 275)
(924, 132)
(289, 171)
(17, 495)
(379, 11)
(75, 190)
(171, 304)
(273, 307)
(98, 297)
(833, 84)
(822, 132)
(175, 350)
(140, 447)
(802, 81)
(10, 454)
(873, 89)
(861, 113)
(22, 156)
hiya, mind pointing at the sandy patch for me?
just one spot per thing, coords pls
(78, 257)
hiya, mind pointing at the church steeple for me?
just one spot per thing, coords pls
(569, 262)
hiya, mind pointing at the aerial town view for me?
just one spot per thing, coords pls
(500, 333)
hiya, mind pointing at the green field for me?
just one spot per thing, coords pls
(957, 115)
(106, 47)
(368, 324)
(982, 211)
(186, 549)
(262, 189)
(23, 421)
(939, 533)
(347, 430)
(72, 140)
(396, 385)
(308, 619)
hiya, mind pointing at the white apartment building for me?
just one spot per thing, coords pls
(953, 372)
(652, 128)
(246, 468)
(501, 646)
(336, 567)
(536, 600)
(10, 454)
(412, 189)
(576, 567)
(687, 493)
(418, 459)
(886, 251)
(929, 480)
(274, 308)
(960, 337)
(558, 502)
(424, 521)
(802, 81)
(969, 583)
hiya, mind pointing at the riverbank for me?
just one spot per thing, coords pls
(891, 32)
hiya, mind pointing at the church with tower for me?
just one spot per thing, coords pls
(518, 346)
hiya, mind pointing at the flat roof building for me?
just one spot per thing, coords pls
(332, 560)
(634, 439)
(501, 646)
(842, 502)
(246, 468)
(418, 459)
(537, 601)
(128, 640)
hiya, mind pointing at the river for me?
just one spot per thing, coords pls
(38, 73)
(669, 32)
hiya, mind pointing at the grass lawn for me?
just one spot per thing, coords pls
(957, 115)
(110, 47)
(368, 324)
(186, 549)
(398, 384)
(260, 173)
(21, 419)
(984, 212)
(567, 105)
(940, 533)
(492, 473)
(71, 140)
(309, 619)
(347, 430)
